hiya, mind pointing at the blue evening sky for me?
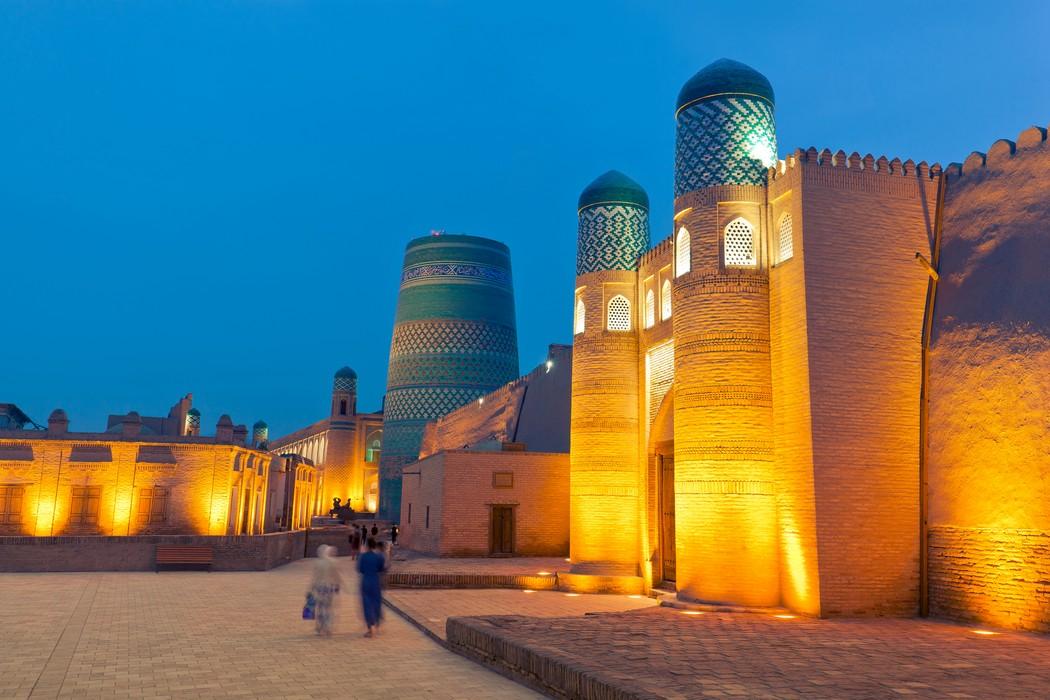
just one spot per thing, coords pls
(214, 196)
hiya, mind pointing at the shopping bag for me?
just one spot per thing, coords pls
(309, 608)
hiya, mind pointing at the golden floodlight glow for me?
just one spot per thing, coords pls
(528, 590)
(692, 612)
(785, 617)
(572, 595)
(635, 595)
(543, 573)
(985, 633)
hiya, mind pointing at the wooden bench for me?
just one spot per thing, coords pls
(169, 555)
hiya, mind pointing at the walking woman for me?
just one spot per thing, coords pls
(325, 586)
(370, 565)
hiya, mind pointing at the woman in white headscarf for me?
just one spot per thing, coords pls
(325, 586)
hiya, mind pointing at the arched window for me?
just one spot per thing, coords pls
(740, 244)
(787, 245)
(665, 301)
(619, 314)
(681, 252)
(650, 309)
(581, 318)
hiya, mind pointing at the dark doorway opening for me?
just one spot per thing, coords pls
(667, 547)
(502, 531)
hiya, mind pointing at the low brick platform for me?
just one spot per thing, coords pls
(412, 570)
(664, 653)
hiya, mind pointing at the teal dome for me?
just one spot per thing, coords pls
(725, 77)
(346, 373)
(614, 188)
(194, 412)
(260, 425)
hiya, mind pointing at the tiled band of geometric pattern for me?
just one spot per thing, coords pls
(718, 141)
(488, 273)
(451, 370)
(611, 237)
(453, 336)
(347, 384)
(427, 403)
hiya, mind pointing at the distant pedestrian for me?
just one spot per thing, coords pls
(393, 534)
(370, 565)
(364, 536)
(324, 587)
(355, 544)
(375, 530)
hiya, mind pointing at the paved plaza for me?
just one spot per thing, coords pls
(200, 635)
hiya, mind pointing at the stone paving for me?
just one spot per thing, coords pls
(193, 634)
(665, 653)
(432, 608)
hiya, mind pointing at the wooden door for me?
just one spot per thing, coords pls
(502, 538)
(667, 550)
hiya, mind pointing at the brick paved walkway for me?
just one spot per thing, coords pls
(201, 635)
(664, 653)
(431, 608)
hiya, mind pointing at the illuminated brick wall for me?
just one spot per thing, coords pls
(726, 531)
(989, 443)
(604, 438)
(793, 444)
(861, 223)
(213, 489)
(460, 487)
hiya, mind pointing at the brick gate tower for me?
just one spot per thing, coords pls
(455, 340)
(604, 479)
(723, 410)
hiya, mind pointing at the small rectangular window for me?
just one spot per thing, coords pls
(84, 507)
(11, 504)
(153, 505)
(409, 512)
(427, 525)
(342, 407)
(503, 480)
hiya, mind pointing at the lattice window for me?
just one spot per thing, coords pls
(665, 301)
(681, 252)
(581, 318)
(11, 504)
(659, 365)
(650, 309)
(619, 314)
(153, 505)
(787, 245)
(740, 244)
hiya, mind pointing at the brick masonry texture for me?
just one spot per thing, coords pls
(458, 488)
(989, 446)
(663, 653)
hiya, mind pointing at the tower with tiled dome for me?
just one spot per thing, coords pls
(613, 233)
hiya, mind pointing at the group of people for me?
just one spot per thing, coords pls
(360, 535)
(371, 560)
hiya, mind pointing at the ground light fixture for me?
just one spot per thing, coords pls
(985, 633)
(528, 590)
(692, 612)
(785, 617)
(572, 595)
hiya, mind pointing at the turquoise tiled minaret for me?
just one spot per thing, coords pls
(455, 340)
(613, 220)
(726, 134)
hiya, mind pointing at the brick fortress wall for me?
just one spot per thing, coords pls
(989, 443)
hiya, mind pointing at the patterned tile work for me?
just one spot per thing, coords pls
(611, 237)
(723, 141)
(499, 275)
(348, 384)
(453, 336)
